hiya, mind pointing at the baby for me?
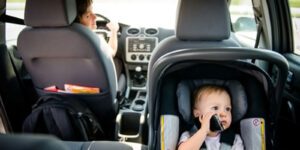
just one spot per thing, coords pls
(208, 101)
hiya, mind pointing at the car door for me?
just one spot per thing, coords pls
(288, 43)
(280, 20)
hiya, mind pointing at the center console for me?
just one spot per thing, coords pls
(131, 120)
(138, 49)
(132, 117)
(138, 53)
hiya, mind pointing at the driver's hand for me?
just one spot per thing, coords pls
(113, 26)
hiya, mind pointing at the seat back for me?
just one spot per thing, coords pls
(200, 24)
(57, 51)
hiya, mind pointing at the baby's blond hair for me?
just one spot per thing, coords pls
(206, 90)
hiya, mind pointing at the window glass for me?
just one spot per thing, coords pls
(295, 12)
(243, 22)
(132, 12)
(142, 13)
(14, 8)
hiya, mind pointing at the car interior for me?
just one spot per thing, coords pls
(189, 56)
(250, 47)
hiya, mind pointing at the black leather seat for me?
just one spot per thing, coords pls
(57, 51)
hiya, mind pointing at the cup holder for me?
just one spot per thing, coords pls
(130, 124)
(138, 105)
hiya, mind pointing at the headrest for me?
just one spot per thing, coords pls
(50, 13)
(236, 91)
(206, 20)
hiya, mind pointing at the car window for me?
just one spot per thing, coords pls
(139, 12)
(132, 12)
(295, 12)
(14, 8)
(243, 22)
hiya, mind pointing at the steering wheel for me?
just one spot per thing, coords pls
(102, 21)
(102, 29)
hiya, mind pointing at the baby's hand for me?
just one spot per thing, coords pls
(205, 121)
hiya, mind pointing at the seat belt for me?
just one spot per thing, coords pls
(11, 19)
(258, 18)
(259, 31)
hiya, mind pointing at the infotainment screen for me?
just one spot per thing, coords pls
(141, 44)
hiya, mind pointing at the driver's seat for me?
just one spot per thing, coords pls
(57, 51)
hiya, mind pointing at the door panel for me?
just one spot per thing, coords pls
(290, 113)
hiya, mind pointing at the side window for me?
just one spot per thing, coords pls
(243, 22)
(14, 8)
(295, 12)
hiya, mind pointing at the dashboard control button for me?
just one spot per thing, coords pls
(141, 46)
(133, 57)
(141, 57)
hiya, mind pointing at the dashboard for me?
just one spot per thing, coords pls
(138, 49)
(140, 42)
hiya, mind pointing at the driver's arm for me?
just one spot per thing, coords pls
(113, 40)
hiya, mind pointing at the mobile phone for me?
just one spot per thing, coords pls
(215, 124)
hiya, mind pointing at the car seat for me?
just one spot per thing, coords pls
(57, 51)
(239, 103)
(263, 94)
(204, 49)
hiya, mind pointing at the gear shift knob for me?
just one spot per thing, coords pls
(139, 78)
(138, 69)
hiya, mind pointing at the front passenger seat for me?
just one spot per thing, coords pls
(57, 51)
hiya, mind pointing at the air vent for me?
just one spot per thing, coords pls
(133, 31)
(151, 31)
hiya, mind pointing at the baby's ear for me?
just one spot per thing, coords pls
(196, 113)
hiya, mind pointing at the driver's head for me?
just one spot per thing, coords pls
(85, 14)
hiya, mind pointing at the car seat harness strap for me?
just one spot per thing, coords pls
(226, 140)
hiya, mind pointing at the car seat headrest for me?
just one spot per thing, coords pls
(206, 20)
(50, 13)
(236, 91)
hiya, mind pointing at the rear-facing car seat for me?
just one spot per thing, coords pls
(239, 104)
(203, 48)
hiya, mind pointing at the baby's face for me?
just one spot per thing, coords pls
(218, 103)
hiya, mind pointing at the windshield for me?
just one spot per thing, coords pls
(157, 13)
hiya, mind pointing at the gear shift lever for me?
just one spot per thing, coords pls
(138, 76)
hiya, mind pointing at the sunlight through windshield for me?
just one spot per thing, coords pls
(157, 13)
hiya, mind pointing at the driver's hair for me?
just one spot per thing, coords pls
(82, 6)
